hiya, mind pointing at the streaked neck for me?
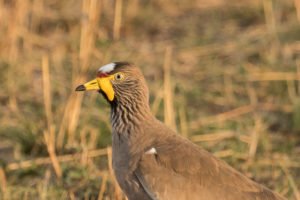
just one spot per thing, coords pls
(127, 117)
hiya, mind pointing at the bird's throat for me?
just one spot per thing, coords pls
(127, 118)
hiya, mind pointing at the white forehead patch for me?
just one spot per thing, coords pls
(151, 151)
(107, 68)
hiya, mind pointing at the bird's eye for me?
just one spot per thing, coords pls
(119, 76)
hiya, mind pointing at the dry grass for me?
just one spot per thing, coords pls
(225, 74)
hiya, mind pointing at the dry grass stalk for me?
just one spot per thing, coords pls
(272, 107)
(251, 93)
(244, 138)
(132, 8)
(3, 183)
(91, 9)
(83, 144)
(69, 119)
(291, 90)
(202, 4)
(73, 118)
(15, 27)
(273, 76)
(183, 122)
(64, 121)
(103, 187)
(295, 47)
(45, 184)
(228, 87)
(118, 191)
(47, 90)
(259, 161)
(240, 111)
(13, 104)
(269, 15)
(230, 153)
(284, 191)
(49, 134)
(225, 47)
(72, 195)
(255, 136)
(291, 181)
(213, 136)
(207, 50)
(169, 113)
(25, 196)
(117, 19)
(298, 69)
(47, 160)
(297, 5)
(276, 162)
(50, 142)
(223, 154)
(224, 116)
(94, 134)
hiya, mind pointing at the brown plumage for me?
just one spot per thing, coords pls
(151, 161)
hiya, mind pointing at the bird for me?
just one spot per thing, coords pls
(153, 162)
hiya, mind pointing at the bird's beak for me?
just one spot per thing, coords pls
(103, 84)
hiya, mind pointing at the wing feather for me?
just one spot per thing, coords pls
(183, 170)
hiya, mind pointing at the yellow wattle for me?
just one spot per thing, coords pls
(106, 86)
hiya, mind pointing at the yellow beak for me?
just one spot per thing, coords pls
(103, 84)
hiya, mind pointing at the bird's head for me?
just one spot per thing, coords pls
(118, 82)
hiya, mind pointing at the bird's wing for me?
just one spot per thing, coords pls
(180, 169)
(143, 183)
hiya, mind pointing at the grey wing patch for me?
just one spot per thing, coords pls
(142, 181)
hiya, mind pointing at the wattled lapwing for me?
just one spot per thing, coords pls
(150, 160)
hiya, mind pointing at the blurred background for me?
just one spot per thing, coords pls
(223, 73)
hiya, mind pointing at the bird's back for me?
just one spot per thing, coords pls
(179, 169)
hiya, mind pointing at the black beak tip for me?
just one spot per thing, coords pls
(80, 88)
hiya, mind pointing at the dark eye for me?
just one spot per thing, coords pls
(119, 76)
